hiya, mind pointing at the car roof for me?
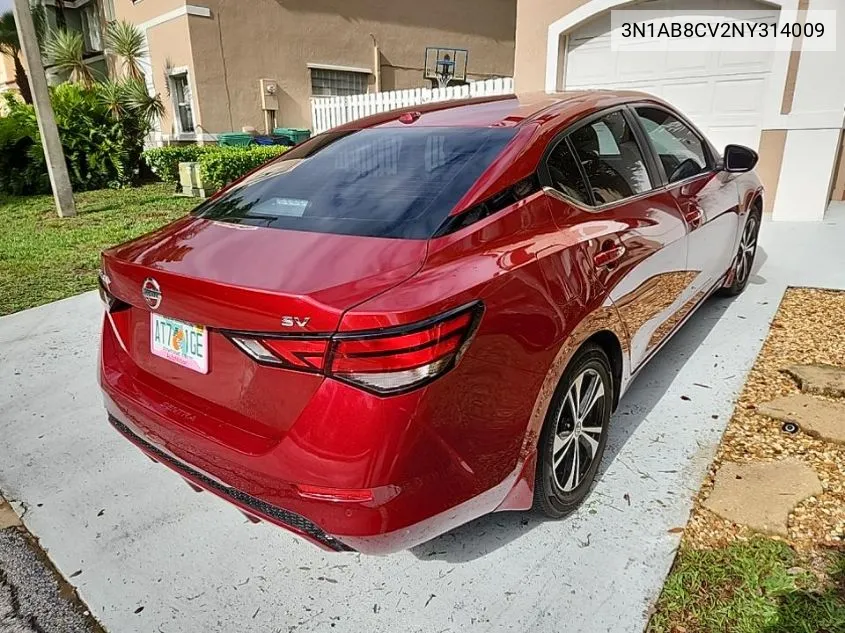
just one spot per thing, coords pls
(502, 111)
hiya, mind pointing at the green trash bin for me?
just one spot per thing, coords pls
(295, 134)
(234, 139)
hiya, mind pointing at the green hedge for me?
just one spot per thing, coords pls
(228, 163)
(218, 165)
(164, 161)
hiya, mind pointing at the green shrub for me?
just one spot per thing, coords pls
(229, 163)
(164, 161)
(102, 130)
(22, 167)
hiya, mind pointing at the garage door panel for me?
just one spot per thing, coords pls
(694, 99)
(739, 96)
(722, 92)
(732, 62)
(640, 65)
(748, 135)
(686, 63)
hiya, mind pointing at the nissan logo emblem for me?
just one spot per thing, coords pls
(151, 292)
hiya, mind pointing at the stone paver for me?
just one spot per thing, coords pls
(820, 418)
(761, 495)
(8, 518)
(826, 380)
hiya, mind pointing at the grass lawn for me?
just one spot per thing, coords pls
(44, 258)
(756, 586)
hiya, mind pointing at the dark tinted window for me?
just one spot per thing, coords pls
(611, 158)
(565, 175)
(680, 150)
(389, 182)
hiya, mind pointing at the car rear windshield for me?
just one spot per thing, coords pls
(380, 182)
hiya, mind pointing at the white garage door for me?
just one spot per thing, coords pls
(723, 92)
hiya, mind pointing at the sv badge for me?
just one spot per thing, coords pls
(292, 321)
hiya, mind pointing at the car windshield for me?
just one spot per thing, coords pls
(380, 182)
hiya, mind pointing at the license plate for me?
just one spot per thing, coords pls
(183, 343)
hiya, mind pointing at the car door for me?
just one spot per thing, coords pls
(604, 186)
(708, 199)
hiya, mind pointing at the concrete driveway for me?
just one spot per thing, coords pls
(155, 556)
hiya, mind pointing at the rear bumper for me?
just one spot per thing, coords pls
(398, 449)
(284, 518)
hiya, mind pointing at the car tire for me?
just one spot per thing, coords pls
(744, 259)
(570, 436)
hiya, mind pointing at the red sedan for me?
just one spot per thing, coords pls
(423, 316)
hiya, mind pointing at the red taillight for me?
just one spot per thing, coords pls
(302, 353)
(294, 352)
(384, 362)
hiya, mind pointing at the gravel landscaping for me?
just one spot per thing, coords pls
(728, 577)
(809, 328)
(33, 597)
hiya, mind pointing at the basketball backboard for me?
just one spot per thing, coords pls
(444, 64)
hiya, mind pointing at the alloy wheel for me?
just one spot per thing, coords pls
(747, 248)
(578, 429)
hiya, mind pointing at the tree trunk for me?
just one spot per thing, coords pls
(23, 81)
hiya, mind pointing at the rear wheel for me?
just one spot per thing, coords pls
(574, 434)
(744, 260)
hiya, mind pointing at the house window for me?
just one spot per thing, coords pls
(108, 10)
(330, 83)
(180, 91)
(91, 31)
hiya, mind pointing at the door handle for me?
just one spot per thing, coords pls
(608, 256)
(693, 217)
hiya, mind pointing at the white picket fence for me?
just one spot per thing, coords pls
(329, 112)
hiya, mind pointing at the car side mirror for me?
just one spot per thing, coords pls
(739, 159)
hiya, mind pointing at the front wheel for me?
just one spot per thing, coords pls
(574, 434)
(744, 260)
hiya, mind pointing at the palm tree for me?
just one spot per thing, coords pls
(139, 100)
(126, 41)
(11, 47)
(65, 50)
(130, 95)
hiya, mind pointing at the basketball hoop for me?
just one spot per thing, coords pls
(445, 71)
(444, 65)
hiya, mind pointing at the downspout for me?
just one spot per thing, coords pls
(376, 63)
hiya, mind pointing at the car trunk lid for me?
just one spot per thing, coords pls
(246, 279)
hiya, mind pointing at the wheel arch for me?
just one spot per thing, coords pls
(612, 347)
(602, 327)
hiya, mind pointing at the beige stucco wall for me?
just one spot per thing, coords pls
(838, 191)
(276, 39)
(169, 45)
(772, 143)
(144, 10)
(7, 73)
(533, 18)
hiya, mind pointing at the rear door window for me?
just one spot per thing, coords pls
(565, 175)
(611, 158)
(381, 182)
